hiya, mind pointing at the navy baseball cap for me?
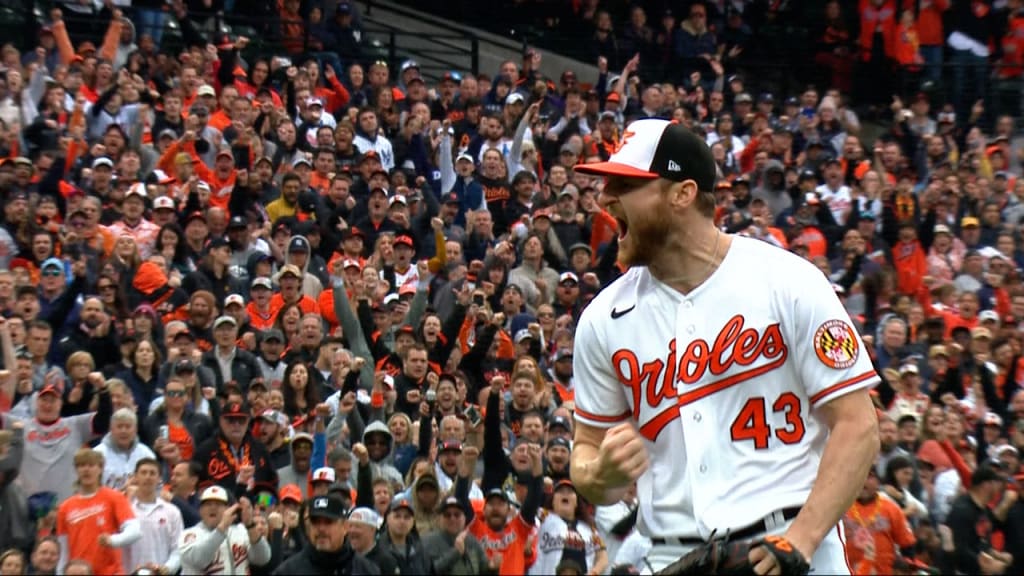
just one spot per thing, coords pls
(654, 148)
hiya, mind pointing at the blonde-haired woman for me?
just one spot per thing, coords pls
(79, 395)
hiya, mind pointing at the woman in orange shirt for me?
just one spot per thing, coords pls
(96, 521)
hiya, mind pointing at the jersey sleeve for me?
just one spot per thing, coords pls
(121, 507)
(829, 353)
(599, 396)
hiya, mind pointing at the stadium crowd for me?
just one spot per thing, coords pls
(296, 312)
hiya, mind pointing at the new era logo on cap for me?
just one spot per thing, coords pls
(654, 148)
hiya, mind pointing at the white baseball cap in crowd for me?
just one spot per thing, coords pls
(206, 90)
(163, 203)
(325, 474)
(908, 369)
(653, 148)
(220, 321)
(986, 315)
(215, 493)
(234, 299)
(364, 515)
(137, 189)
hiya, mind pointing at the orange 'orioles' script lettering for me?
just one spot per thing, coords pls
(655, 381)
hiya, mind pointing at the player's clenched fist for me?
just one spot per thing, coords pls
(622, 457)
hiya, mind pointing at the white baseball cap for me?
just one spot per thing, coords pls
(325, 474)
(234, 299)
(206, 90)
(220, 321)
(988, 315)
(214, 493)
(653, 148)
(163, 203)
(364, 515)
(137, 189)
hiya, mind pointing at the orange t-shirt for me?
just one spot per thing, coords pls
(84, 518)
(510, 543)
(306, 304)
(257, 320)
(180, 436)
(874, 531)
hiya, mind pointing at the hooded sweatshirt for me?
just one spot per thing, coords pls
(384, 467)
(311, 285)
(777, 199)
(119, 464)
(125, 49)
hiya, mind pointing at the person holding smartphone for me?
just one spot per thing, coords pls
(209, 547)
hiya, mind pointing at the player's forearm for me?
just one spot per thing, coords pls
(849, 453)
(589, 481)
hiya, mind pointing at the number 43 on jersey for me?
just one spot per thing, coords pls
(752, 421)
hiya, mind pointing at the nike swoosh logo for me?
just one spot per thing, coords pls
(616, 314)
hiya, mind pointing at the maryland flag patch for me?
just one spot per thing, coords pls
(836, 344)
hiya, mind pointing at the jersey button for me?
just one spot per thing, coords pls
(691, 329)
(697, 417)
(703, 468)
(687, 304)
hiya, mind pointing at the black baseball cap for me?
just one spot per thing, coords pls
(654, 148)
(329, 507)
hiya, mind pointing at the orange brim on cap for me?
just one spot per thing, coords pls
(614, 169)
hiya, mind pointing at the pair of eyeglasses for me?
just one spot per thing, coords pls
(105, 287)
(52, 273)
(175, 393)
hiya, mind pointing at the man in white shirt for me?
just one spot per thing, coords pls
(160, 521)
(834, 191)
(210, 547)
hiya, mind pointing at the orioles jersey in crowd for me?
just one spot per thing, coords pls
(722, 383)
(510, 543)
(212, 552)
(557, 539)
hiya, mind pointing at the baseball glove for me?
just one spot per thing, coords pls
(731, 558)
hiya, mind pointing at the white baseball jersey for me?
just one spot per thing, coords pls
(551, 543)
(211, 552)
(722, 384)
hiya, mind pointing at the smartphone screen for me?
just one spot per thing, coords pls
(241, 154)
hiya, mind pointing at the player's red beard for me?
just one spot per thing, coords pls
(646, 235)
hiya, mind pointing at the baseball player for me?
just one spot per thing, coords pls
(720, 372)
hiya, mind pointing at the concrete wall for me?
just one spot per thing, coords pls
(427, 32)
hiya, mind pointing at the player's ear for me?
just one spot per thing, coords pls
(683, 194)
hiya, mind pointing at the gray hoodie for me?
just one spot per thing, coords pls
(385, 467)
(311, 285)
(777, 199)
